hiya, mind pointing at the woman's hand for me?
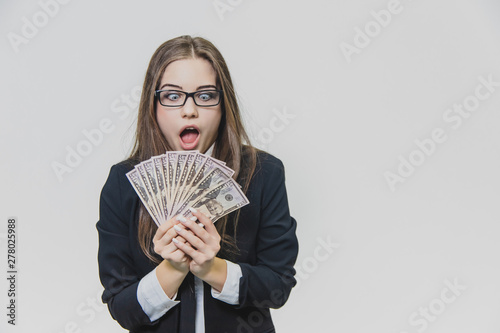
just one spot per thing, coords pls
(202, 243)
(164, 246)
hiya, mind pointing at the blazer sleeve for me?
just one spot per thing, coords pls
(116, 269)
(268, 283)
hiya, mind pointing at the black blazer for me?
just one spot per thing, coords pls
(265, 237)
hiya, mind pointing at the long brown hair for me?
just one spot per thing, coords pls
(231, 146)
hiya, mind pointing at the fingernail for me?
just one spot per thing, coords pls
(176, 227)
(193, 218)
(192, 210)
(175, 241)
(181, 218)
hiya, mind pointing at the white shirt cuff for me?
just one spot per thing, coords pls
(153, 300)
(231, 290)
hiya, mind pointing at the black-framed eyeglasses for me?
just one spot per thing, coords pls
(177, 98)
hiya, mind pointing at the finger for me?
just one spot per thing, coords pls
(163, 228)
(180, 226)
(204, 220)
(178, 252)
(171, 249)
(188, 250)
(167, 238)
(164, 245)
(176, 256)
(191, 225)
(195, 219)
(180, 239)
(160, 232)
(191, 238)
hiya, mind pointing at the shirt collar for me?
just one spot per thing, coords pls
(210, 150)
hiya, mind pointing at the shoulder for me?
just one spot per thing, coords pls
(118, 199)
(118, 172)
(268, 166)
(123, 167)
(266, 160)
(268, 172)
(117, 185)
(263, 160)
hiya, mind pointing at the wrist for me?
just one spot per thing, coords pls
(176, 270)
(169, 277)
(216, 275)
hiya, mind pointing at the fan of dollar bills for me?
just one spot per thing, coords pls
(169, 184)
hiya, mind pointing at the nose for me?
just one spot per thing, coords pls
(189, 110)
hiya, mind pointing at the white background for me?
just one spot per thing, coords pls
(349, 123)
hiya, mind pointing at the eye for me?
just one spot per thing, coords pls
(205, 96)
(172, 96)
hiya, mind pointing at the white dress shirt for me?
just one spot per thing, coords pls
(156, 303)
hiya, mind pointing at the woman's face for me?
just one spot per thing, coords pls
(189, 127)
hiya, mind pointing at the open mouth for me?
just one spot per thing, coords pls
(189, 137)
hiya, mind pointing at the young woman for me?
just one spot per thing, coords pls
(181, 277)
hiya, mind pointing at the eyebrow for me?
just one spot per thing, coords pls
(179, 87)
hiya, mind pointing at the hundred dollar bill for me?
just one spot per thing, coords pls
(153, 185)
(171, 162)
(209, 165)
(214, 178)
(164, 162)
(168, 184)
(139, 187)
(183, 177)
(218, 202)
(180, 163)
(144, 177)
(222, 165)
(195, 167)
(160, 181)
